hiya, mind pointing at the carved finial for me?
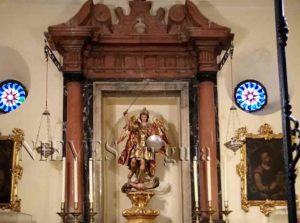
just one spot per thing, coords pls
(140, 26)
(140, 19)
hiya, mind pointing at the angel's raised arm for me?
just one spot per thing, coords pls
(125, 133)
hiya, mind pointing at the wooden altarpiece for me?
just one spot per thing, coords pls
(141, 45)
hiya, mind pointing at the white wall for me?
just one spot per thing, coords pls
(21, 47)
(21, 52)
(255, 56)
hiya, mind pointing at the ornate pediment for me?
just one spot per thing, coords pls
(176, 38)
(181, 18)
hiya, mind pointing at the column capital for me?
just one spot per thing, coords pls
(70, 43)
(207, 52)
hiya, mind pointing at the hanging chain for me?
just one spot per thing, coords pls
(46, 55)
(231, 74)
(46, 112)
(38, 133)
(49, 129)
(233, 110)
(228, 124)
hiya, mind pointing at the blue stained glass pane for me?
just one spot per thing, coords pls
(12, 95)
(250, 95)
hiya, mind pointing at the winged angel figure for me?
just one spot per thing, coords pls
(144, 141)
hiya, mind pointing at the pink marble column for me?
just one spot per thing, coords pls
(207, 71)
(74, 137)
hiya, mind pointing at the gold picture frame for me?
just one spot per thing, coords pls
(10, 170)
(262, 169)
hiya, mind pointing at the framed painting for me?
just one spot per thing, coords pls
(10, 170)
(262, 169)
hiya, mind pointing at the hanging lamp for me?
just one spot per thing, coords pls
(45, 148)
(234, 144)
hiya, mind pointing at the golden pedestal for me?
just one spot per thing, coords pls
(139, 212)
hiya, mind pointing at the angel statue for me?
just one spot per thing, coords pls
(144, 141)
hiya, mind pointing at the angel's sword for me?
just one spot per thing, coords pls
(134, 100)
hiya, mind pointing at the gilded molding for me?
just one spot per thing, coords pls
(17, 137)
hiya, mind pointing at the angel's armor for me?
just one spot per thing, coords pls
(140, 150)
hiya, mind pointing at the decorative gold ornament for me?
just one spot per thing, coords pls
(266, 131)
(241, 133)
(265, 134)
(139, 212)
(267, 207)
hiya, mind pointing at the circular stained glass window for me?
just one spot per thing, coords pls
(12, 95)
(250, 95)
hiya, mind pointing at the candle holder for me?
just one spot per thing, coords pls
(63, 214)
(226, 211)
(197, 213)
(91, 213)
(76, 214)
(210, 213)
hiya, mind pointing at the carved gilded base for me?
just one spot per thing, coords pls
(139, 212)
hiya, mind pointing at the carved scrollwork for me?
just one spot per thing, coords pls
(18, 172)
(267, 207)
(177, 14)
(266, 131)
(18, 137)
(15, 204)
(241, 168)
(241, 133)
(245, 203)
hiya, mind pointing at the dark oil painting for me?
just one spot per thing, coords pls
(265, 165)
